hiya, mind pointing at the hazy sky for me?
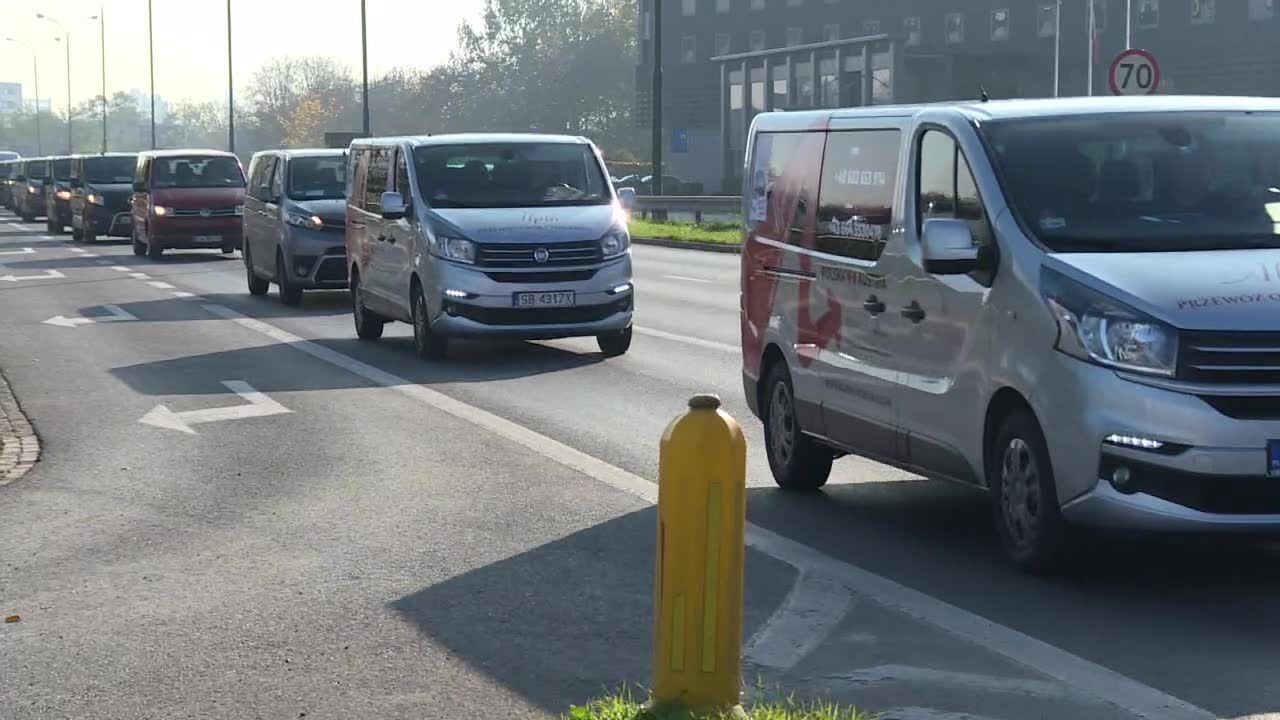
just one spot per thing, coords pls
(191, 40)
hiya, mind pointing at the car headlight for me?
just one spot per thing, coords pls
(239, 210)
(454, 248)
(64, 194)
(616, 243)
(310, 222)
(32, 190)
(94, 199)
(161, 211)
(1099, 329)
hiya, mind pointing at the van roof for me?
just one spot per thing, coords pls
(1020, 109)
(186, 152)
(304, 152)
(90, 156)
(470, 138)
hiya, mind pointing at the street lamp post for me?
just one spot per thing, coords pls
(35, 73)
(65, 40)
(364, 68)
(231, 90)
(102, 45)
(151, 61)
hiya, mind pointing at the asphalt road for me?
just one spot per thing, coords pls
(362, 550)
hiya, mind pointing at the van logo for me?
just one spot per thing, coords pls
(541, 255)
(205, 212)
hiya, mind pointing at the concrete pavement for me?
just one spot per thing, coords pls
(475, 537)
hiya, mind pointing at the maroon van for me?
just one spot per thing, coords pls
(187, 199)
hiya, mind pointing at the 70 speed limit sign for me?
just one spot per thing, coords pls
(1135, 72)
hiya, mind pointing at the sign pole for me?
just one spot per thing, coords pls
(1128, 24)
(1089, 59)
(1057, 49)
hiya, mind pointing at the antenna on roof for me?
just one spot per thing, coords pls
(982, 94)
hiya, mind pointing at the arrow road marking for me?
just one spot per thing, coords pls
(117, 314)
(258, 405)
(49, 275)
(23, 251)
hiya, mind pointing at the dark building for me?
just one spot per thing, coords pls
(726, 60)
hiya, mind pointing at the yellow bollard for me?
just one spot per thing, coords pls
(702, 506)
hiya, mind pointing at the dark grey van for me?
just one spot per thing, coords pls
(57, 193)
(101, 186)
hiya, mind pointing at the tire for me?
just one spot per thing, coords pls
(429, 345)
(615, 343)
(798, 462)
(52, 225)
(290, 294)
(138, 248)
(369, 324)
(1025, 497)
(154, 250)
(228, 249)
(257, 285)
(87, 235)
(77, 235)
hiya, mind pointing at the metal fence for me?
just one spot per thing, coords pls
(701, 207)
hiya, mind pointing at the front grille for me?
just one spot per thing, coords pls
(532, 278)
(220, 212)
(541, 316)
(1245, 407)
(331, 270)
(335, 225)
(1219, 494)
(1230, 357)
(522, 255)
(337, 250)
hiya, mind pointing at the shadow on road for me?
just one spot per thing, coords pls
(318, 303)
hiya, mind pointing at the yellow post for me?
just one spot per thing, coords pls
(702, 505)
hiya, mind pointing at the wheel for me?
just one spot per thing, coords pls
(138, 248)
(290, 294)
(87, 234)
(257, 285)
(615, 343)
(1025, 496)
(797, 461)
(51, 224)
(429, 345)
(76, 234)
(368, 323)
(154, 250)
(228, 249)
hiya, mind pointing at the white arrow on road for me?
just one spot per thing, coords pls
(48, 275)
(23, 251)
(259, 405)
(117, 314)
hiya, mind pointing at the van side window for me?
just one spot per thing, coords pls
(855, 198)
(946, 186)
(261, 177)
(144, 163)
(402, 179)
(277, 180)
(356, 164)
(375, 183)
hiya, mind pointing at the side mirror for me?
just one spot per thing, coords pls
(392, 206)
(139, 187)
(627, 197)
(948, 247)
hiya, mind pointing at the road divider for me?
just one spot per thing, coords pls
(115, 313)
(256, 405)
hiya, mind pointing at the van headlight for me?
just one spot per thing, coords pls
(1099, 329)
(161, 211)
(310, 222)
(615, 243)
(64, 194)
(454, 248)
(94, 199)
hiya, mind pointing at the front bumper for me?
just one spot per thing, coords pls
(317, 260)
(196, 233)
(111, 224)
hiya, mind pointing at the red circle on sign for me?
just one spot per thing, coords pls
(1134, 52)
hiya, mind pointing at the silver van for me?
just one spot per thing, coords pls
(1073, 304)
(487, 235)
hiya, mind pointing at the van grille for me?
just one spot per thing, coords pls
(220, 212)
(521, 255)
(550, 276)
(1230, 357)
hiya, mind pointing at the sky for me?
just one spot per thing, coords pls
(191, 41)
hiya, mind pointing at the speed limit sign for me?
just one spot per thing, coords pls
(1135, 72)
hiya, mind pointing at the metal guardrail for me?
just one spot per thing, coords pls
(660, 206)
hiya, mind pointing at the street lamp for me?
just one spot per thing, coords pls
(231, 90)
(101, 17)
(66, 40)
(151, 62)
(35, 72)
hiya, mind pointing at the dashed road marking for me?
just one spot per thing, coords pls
(161, 285)
(121, 268)
(686, 278)
(688, 340)
(183, 294)
(139, 276)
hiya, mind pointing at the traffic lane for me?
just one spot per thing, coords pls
(699, 267)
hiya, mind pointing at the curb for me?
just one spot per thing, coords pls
(19, 446)
(734, 249)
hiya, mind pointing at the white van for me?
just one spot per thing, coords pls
(1073, 304)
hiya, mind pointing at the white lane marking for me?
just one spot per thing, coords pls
(688, 340)
(810, 612)
(47, 237)
(48, 275)
(139, 276)
(16, 226)
(968, 682)
(686, 278)
(23, 251)
(256, 405)
(1087, 678)
(183, 294)
(121, 268)
(115, 314)
(80, 251)
(161, 285)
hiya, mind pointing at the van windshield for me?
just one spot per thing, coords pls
(196, 172)
(62, 169)
(318, 178)
(501, 175)
(1144, 182)
(106, 170)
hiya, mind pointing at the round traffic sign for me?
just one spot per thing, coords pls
(1134, 72)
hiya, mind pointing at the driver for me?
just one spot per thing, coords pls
(1186, 178)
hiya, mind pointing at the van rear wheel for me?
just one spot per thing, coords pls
(797, 461)
(1024, 496)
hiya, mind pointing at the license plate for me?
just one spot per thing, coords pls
(559, 298)
(208, 238)
(1273, 458)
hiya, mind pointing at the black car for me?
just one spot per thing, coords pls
(57, 193)
(8, 168)
(101, 186)
(28, 192)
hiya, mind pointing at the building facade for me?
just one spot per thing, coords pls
(726, 60)
(10, 97)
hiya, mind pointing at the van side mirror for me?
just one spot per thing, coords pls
(948, 247)
(627, 197)
(139, 187)
(392, 205)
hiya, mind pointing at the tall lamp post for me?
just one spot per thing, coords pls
(364, 68)
(151, 62)
(35, 72)
(65, 40)
(231, 90)
(102, 46)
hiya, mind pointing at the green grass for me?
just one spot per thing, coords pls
(622, 707)
(719, 233)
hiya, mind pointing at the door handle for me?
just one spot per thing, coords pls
(913, 312)
(873, 305)
(387, 239)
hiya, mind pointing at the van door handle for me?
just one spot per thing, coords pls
(913, 312)
(873, 305)
(387, 239)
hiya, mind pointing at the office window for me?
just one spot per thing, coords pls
(911, 28)
(1000, 25)
(688, 49)
(1046, 21)
(830, 32)
(756, 41)
(757, 4)
(1262, 9)
(1148, 14)
(688, 7)
(870, 27)
(722, 6)
(955, 28)
(795, 36)
(1203, 11)
(723, 44)
(1100, 15)
(855, 198)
